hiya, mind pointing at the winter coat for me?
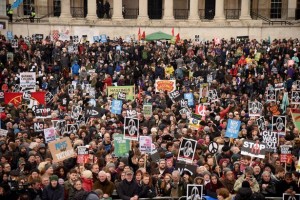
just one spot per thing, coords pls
(50, 193)
(107, 186)
(87, 184)
(126, 189)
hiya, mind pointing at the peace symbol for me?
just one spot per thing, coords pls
(131, 127)
(279, 124)
(213, 147)
(254, 108)
(195, 193)
(296, 96)
(188, 146)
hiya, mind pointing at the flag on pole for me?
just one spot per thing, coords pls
(139, 34)
(177, 38)
(172, 31)
(16, 4)
(143, 36)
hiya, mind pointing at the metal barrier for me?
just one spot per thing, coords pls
(184, 197)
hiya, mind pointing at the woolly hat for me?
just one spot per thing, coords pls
(87, 174)
(53, 178)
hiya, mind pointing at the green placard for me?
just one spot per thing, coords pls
(122, 146)
(147, 110)
(128, 90)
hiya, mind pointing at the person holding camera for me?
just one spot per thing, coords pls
(247, 176)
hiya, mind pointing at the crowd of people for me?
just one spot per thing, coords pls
(27, 169)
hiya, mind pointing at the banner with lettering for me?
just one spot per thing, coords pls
(165, 85)
(128, 90)
(122, 146)
(270, 138)
(116, 107)
(82, 154)
(254, 149)
(28, 81)
(61, 149)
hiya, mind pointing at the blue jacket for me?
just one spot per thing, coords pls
(75, 68)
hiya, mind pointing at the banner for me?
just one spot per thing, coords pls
(194, 191)
(255, 109)
(131, 128)
(203, 93)
(16, 98)
(296, 117)
(116, 107)
(286, 154)
(93, 112)
(270, 139)
(38, 127)
(128, 90)
(175, 96)
(82, 154)
(147, 110)
(145, 144)
(28, 81)
(279, 124)
(61, 149)
(187, 150)
(190, 98)
(165, 85)
(181, 167)
(253, 149)
(233, 128)
(122, 146)
(49, 134)
(41, 112)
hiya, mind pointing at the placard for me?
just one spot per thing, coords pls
(279, 124)
(72, 128)
(145, 144)
(233, 128)
(28, 81)
(82, 154)
(165, 85)
(194, 191)
(122, 146)
(261, 124)
(61, 149)
(131, 128)
(286, 154)
(175, 96)
(76, 112)
(93, 112)
(121, 96)
(147, 110)
(286, 196)
(271, 95)
(3, 133)
(203, 93)
(128, 90)
(38, 127)
(181, 167)
(255, 109)
(213, 96)
(49, 134)
(270, 138)
(254, 149)
(295, 97)
(187, 150)
(41, 112)
(190, 98)
(116, 107)
(59, 125)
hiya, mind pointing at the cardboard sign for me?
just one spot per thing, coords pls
(28, 80)
(190, 98)
(116, 107)
(253, 149)
(131, 128)
(165, 85)
(61, 149)
(233, 128)
(286, 154)
(128, 90)
(145, 144)
(38, 127)
(122, 146)
(181, 167)
(295, 97)
(49, 134)
(187, 150)
(3, 133)
(82, 154)
(194, 191)
(270, 138)
(279, 124)
(147, 110)
(255, 109)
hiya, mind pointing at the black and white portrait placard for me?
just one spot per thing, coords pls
(187, 150)
(279, 124)
(131, 128)
(194, 192)
(255, 109)
(295, 97)
(76, 112)
(271, 95)
(261, 124)
(213, 96)
(286, 196)
(72, 128)
(59, 125)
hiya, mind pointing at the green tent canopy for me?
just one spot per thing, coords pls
(158, 36)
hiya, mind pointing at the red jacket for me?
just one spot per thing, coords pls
(87, 184)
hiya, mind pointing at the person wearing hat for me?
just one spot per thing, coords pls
(53, 191)
(128, 188)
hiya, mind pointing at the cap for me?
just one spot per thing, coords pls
(53, 178)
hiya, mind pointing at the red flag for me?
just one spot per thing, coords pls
(177, 38)
(143, 36)
(172, 31)
(39, 97)
(139, 34)
(13, 97)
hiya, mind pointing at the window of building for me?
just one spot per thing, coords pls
(56, 8)
(276, 6)
(27, 4)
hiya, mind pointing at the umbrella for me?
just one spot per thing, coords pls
(158, 36)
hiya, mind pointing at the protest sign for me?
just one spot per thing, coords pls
(145, 144)
(131, 113)
(72, 128)
(270, 139)
(279, 86)
(182, 166)
(116, 107)
(48, 97)
(93, 112)
(41, 112)
(213, 96)
(203, 94)
(200, 110)
(194, 122)
(38, 127)
(59, 125)
(286, 154)
(122, 146)
(254, 149)
(165, 85)
(186, 111)
(76, 112)
(147, 110)
(295, 97)
(121, 96)
(233, 128)
(255, 109)
(184, 103)
(28, 80)
(82, 154)
(61, 149)
(271, 95)
(49, 134)
(279, 124)
(131, 128)
(3, 133)
(190, 98)
(297, 84)
(128, 90)
(261, 124)
(289, 196)
(187, 150)
(175, 96)
(194, 191)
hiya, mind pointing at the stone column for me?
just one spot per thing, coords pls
(143, 10)
(3, 17)
(168, 10)
(92, 10)
(245, 10)
(219, 12)
(292, 6)
(194, 14)
(65, 9)
(117, 10)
